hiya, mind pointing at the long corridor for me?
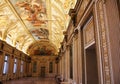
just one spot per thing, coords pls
(32, 80)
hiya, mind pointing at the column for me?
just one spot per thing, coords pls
(75, 53)
(79, 58)
(67, 63)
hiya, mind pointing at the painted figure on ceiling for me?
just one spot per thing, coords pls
(34, 10)
(41, 33)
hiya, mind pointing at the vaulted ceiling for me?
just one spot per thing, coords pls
(30, 25)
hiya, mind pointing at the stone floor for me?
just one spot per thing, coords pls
(32, 81)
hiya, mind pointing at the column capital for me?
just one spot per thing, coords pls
(75, 32)
(72, 13)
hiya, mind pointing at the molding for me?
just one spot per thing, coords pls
(73, 15)
(85, 47)
(86, 13)
(72, 12)
(76, 31)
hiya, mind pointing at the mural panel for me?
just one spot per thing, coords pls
(44, 51)
(40, 33)
(34, 15)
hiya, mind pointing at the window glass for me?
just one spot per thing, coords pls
(15, 66)
(22, 66)
(6, 57)
(5, 69)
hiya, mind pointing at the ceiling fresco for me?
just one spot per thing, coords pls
(40, 33)
(33, 13)
(28, 23)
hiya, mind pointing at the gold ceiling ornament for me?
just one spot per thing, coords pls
(69, 4)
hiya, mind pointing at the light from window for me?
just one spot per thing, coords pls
(5, 69)
(22, 66)
(15, 66)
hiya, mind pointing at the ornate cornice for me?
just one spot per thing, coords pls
(72, 13)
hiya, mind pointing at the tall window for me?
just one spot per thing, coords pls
(15, 66)
(5, 69)
(21, 70)
(51, 67)
(71, 62)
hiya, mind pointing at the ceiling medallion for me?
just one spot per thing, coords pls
(35, 12)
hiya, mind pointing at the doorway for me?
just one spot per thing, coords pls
(42, 71)
(91, 68)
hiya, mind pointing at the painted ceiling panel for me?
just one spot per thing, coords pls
(34, 15)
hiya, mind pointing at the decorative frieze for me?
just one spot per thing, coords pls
(104, 46)
(82, 9)
(7, 48)
(17, 52)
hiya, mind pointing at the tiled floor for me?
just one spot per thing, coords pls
(32, 81)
